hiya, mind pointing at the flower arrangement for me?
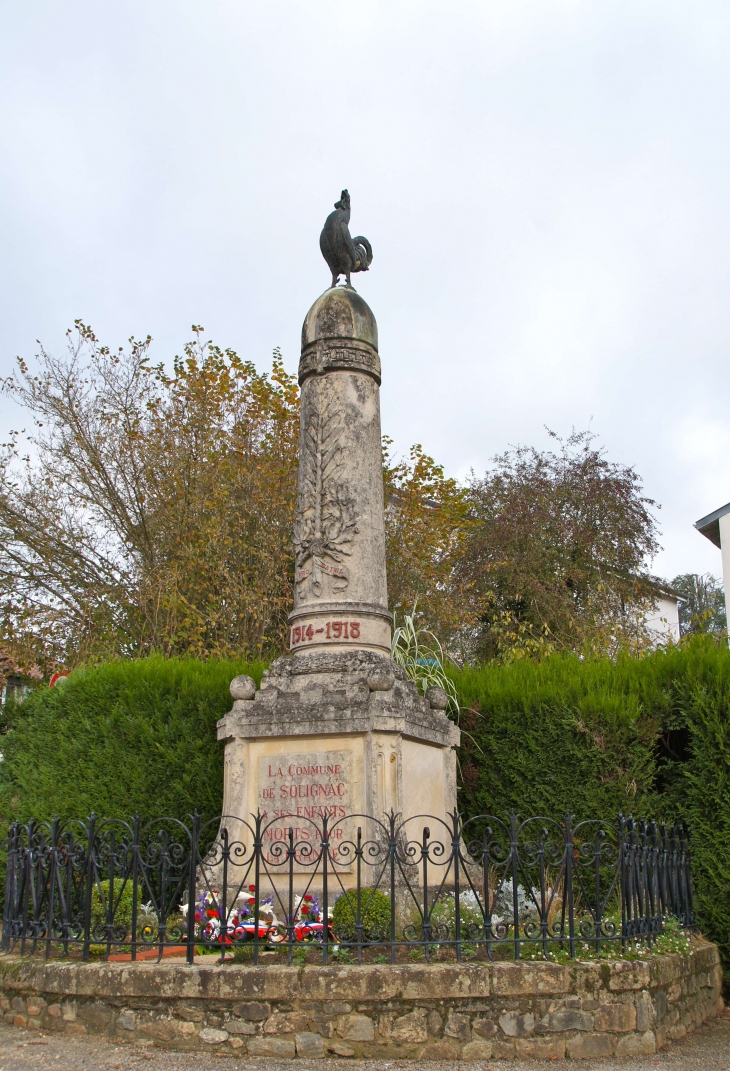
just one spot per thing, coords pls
(307, 922)
(239, 923)
(307, 909)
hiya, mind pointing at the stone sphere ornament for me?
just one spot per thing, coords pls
(381, 679)
(437, 698)
(243, 687)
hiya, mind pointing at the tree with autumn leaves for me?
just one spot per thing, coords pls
(428, 524)
(152, 510)
(560, 543)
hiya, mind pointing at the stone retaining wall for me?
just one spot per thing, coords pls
(437, 1011)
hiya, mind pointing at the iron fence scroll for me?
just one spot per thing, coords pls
(353, 888)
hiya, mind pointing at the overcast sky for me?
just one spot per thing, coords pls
(545, 186)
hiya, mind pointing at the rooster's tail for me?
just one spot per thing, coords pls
(365, 251)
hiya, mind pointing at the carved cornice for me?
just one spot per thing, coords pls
(338, 355)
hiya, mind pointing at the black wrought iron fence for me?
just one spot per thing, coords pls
(355, 888)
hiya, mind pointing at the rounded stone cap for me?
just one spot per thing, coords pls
(243, 687)
(381, 679)
(437, 698)
(340, 313)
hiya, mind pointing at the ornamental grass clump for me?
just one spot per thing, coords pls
(419, 652)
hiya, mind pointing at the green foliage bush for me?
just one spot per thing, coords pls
(443, 914)
(121, 737)
(375, 916)
(121, 908)
(698, 789)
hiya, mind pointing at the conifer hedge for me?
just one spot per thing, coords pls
(648, 736)
(121, 737)
(557, 736)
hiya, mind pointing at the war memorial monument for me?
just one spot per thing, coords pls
(336, 727)
(351, 910)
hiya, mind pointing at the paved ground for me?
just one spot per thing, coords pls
(708, 1049)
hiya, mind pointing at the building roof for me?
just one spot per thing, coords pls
(666, 592)
(710, 525)
(663, 589)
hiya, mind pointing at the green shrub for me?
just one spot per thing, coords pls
(122, 906)
(645, 735)
(443, 917)
(375, 916)
(118, 738)
(243, 953)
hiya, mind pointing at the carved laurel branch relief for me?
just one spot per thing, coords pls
(326, 517)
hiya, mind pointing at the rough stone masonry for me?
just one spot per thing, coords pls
(437, 1011)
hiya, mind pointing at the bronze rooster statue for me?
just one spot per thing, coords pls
(343, 253)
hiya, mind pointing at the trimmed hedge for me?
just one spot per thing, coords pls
(650, 736)
(698, 789)
(118, 738)
(560, 735)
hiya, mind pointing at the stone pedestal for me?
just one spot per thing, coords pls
(338, 733)
(336, 728)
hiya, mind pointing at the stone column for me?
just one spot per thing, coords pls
(340, 591)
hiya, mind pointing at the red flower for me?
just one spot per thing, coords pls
(306, 897)
(252, 888)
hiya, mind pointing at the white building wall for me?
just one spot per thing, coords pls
(663, 620)
(725, 550)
